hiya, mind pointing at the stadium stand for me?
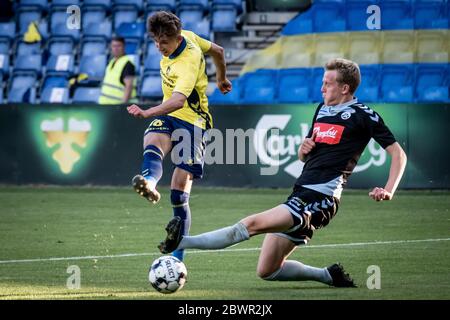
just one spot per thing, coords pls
(257, 44)
(405, 60)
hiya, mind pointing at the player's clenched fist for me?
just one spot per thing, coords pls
(224, 86)
(380, 194)
(136, 111)
(307, 146)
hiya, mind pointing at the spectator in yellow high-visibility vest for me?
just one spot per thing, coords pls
(119, 83)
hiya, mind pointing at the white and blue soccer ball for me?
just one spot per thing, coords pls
(167, 274)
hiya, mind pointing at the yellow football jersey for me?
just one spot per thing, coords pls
(184, 71)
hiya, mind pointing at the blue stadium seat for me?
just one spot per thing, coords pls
(397, 83)
(430, 14)
(396, 15)
(356, 14)
(33, 4)
(101, 30)
(93, 47)
(328, 17)
(131, 30)
(93, 15)
(123, 16)
(165, 5)
(190, 14)
(22, 88)
(232, 97)
(201, 28)
(202, 4)
(60, 46)
(224, 18)
(89, 4)
(55, 95)
(61, 64)
(153, 58)
(4, 65)
(132, 46)
(134, 4)
(368, 90)
(43, 29)
(86, 95)
(236, 3)
(58, 18)
(30, 63)
(63, 4)
(61, 31)
(24, 48)
(430, 83)
(4, 47)
(293, 85)
(94, 67)
(55, 81)
(300, 24)
(316, 85)
(259, 87)
(151, 86)
(26, 17)
(7, 31)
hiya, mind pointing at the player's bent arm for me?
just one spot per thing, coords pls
(175, 102)
(217, 54)
(398, 164)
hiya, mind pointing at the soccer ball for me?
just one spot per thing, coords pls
(167, 274)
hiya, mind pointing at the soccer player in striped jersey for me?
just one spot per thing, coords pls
(341, 129)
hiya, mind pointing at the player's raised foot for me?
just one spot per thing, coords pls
(173, 237)
(140, 185)
(340, 278)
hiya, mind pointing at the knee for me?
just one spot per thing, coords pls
(266, 272)
(252, 224)
(178, 197)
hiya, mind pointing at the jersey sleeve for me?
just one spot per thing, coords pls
(188, 75)
(204, 44)
(378, 130)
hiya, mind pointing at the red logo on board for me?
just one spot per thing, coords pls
(328, 133)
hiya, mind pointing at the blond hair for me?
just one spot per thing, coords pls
(347, 72)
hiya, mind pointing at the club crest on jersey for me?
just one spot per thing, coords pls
(346, 115)
(328, 133)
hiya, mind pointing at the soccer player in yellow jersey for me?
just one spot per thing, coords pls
(184, 109)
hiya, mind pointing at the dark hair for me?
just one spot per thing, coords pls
(347, 72)
(164, 23)
(119, 39)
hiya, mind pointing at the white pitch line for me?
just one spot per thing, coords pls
(125, 255)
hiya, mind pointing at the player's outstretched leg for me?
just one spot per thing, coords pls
(340, 278)
(145, 184)
(180, 206)
(141, 186)
(217, 239)
(174, 236)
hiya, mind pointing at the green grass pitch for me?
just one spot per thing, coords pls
(111, 235)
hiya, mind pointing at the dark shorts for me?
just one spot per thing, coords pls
(188, 142)
(320, 207)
